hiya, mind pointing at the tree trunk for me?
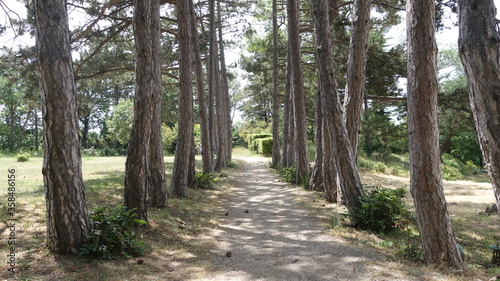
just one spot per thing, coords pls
(434, 222)
(226, 103)
(336, 146)
(138, 174)
(479, 48)
(213, 84)
(157, 184)
(85, 132)
(206, 147)
(316, 182)
(68, 223)
(297, 87)
(181, 179)
(276, 104)
(36, 131)
(356, 71)
(287, 156)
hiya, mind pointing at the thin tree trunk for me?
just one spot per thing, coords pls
(287, 156)
(182, 172)
(297, 87)
(479, 48)
(68, 224)
(336, 146)
(433, 220)
(316, 182)
(276, 104)
(226, 108)
(206, 147)
(356, 71)
(213, 85)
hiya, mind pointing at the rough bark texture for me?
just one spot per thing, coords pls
(68, 224)
(226, 103)
(336, 146)
(206, 147)
(213, 79)
(434, 223)
(356, 71)
(297, 87)
(316, 182)
(479, 48)
(182, 163)
(276, 105)
(137, 176)
(157, 184)
(287, 156)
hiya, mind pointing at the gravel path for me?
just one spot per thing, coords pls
(270, 237)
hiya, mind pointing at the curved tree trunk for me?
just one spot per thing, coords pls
(433, 220)
(356, 71)
(316, 182)
(68, 223)
(479, 48)
(182, 172)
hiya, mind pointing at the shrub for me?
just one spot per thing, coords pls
(288, 174)
(112, 235)
(379, 167)
(382, 211)
(205, 181)
(23, 157)
(263, 146)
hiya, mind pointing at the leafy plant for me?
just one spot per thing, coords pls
(288, 174)
(411, 251)
(23, 157)
(382, 211)
(205, 181)
(112, 235)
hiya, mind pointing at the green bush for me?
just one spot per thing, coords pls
(23, 157)
(288, 174)
(382, 211)
(379, 167)
(263, 146)
(412, 251)
(250, 139)
(205, 181)
(112, 235)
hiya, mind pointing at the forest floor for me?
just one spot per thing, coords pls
(252, 227)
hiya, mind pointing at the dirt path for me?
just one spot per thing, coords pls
(271, 237)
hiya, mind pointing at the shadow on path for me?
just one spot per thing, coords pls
(272, 238)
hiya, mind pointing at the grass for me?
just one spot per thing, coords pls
(176, 249)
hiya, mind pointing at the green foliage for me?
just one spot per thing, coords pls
(451, 168)
(288, 174)
(263, 146)
(23, 157)
(205, 181)
(382, 211)
(120, 123)
(112, 235)
(411, 251)
(379, 167)
(169, 139)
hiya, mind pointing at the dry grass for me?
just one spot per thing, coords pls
(174, 253)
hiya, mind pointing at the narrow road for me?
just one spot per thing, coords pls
(270, 237)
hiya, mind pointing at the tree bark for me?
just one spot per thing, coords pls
(181, 179)
(336, 146)
(434, 222)
(287, 156)
(206, 147)
(479, 49)
(213, 79)
(276, 105)
(297, 92)
(158, 184)
(356, 71)
(137, 167)
(226, 103)
(316, 182)
(68, 223)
